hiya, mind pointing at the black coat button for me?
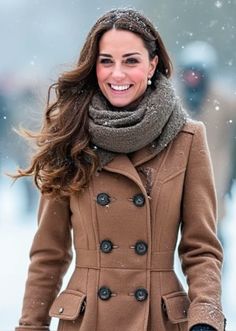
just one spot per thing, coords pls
(104, 293)
(103, 199)
(139, 200)
(141, 247)
(106, 246)
(141, 294)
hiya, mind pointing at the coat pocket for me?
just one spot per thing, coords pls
(68, 305)
(176, 306)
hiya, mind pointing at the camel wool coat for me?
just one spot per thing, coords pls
(125, 226)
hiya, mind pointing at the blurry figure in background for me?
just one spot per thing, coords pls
(207, 100)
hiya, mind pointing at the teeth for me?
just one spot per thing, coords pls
(120, 87)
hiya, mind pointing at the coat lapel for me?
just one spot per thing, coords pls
(121, 164)
(127, 165)
(143, 155)
(146, 154)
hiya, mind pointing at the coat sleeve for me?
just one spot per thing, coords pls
(199, 250)
(50, 258)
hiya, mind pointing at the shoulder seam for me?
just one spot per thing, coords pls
(191, 126)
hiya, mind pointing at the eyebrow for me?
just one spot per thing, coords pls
(125, 55)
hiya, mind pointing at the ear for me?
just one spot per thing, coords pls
(153, 65)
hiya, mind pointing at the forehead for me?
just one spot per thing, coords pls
(121, 40)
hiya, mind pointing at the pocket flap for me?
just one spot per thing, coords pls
(68, 305)
(176, 305)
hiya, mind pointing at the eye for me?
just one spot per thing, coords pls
(105, 61)
(132, 60)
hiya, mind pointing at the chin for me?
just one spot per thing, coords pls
(119, 103)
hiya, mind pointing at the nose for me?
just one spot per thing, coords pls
(118, 72)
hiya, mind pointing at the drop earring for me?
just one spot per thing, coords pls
(149, 82)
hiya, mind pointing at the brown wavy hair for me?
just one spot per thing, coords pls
(64, 161)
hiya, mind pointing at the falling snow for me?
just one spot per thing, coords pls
(50, 43)
(218, 4)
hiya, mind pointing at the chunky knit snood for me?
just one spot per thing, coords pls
(157, 119)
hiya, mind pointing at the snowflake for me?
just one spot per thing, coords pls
(218, 4)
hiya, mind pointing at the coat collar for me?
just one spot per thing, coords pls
(126, 166)
(143, 155)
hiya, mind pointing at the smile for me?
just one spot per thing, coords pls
(120, 87)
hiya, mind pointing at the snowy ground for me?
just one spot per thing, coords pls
(16, 232)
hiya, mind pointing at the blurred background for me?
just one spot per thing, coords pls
(40, 39)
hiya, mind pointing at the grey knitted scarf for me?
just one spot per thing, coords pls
(156, 120)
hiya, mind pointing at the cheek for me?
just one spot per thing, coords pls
(140, 75)
(101, 73)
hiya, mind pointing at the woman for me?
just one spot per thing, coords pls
(120, 164)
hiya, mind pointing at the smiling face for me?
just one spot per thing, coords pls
(123, 67)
